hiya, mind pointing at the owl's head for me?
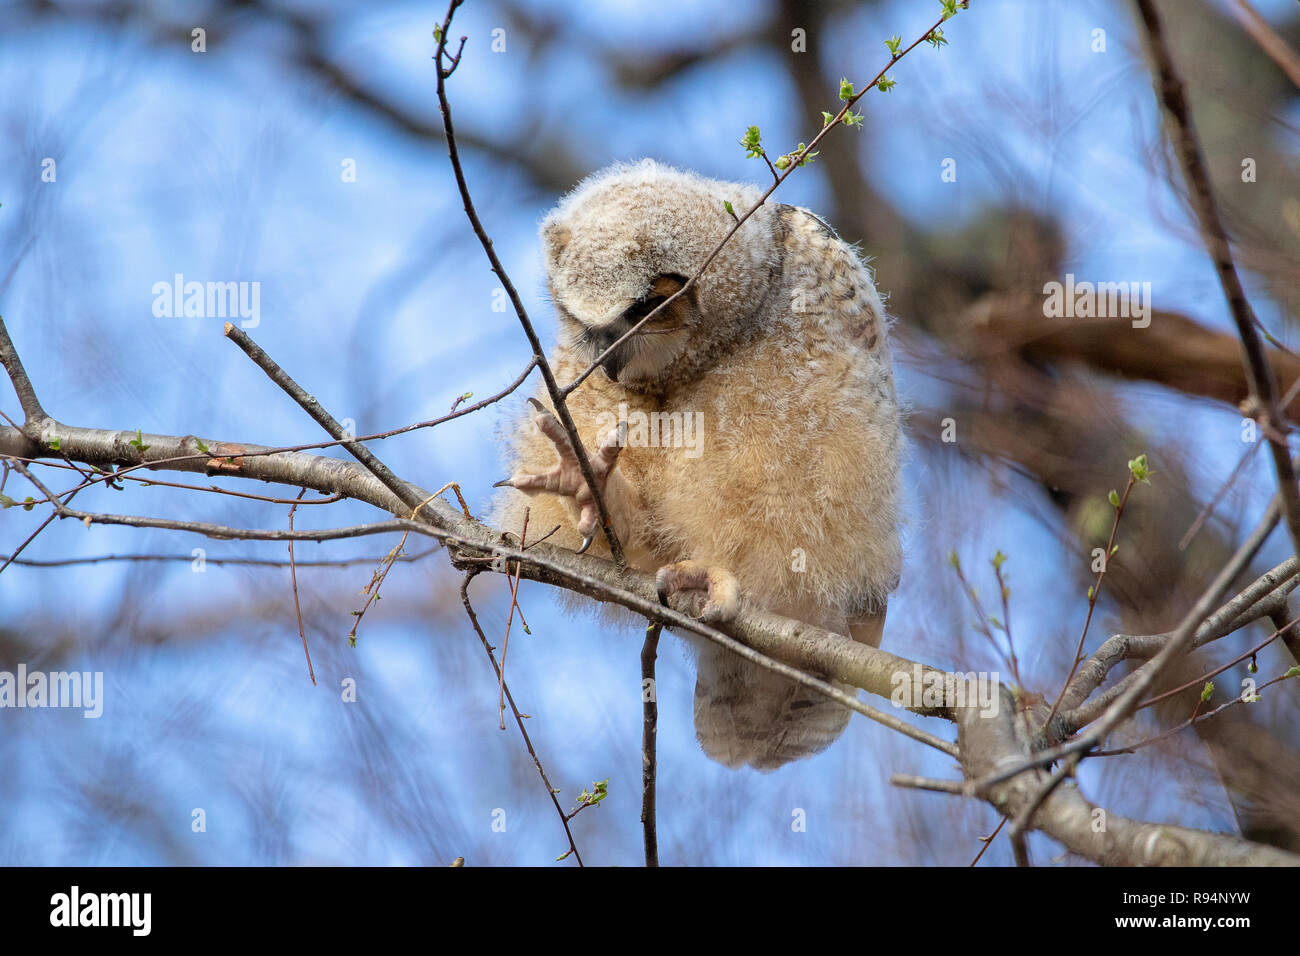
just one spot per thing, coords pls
(629, 237)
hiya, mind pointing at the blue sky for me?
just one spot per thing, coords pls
(375, 295)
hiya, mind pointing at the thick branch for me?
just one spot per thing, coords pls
(794, 643)
(988, 744)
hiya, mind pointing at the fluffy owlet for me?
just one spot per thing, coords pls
(762, 446)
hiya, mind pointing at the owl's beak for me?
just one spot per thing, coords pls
(612, 366)
(602, 339)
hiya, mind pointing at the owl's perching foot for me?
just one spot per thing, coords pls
(722, 587)
(566, 477)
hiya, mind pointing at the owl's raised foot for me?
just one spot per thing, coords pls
(566, 478)
(723, 589)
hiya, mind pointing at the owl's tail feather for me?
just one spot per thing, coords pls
(747, 715)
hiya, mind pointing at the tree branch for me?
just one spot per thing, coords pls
(1259, 373)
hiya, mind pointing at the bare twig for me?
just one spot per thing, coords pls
(988, 840)
(1187, 685)
(1196, 718)
(649, 730)
(1259, 373)
(539, 353)
(1267, 38)
(219, 562)
(31, 405)
(519, 720)
(912, 782)
(796, 160)
(510, 619)
(1094, 593)
(323, 418)
(297, 606)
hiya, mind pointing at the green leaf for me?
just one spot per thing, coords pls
(752, 142)
(726, 204)
(949, 8)
(894, 43)
(1293, 672)
(1139, 470)
(885, 84)
(56, 443)
(202, 446)
(827, 118)
(1113, 498)
(1207, 691)
(846, 89)
(1091, 592)
(138, 442)
(999, 559)
(936, 38)
(954, 560)
(799, 150)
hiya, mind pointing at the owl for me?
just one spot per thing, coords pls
(746, 440)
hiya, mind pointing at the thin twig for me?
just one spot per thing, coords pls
(31, 405)
(1259, 373)
(1141, 680)
(539, 353)
(519, 720)
(988, 840)
(510, 618)
(1267, 38)
(1219, 670)
(649, 731)
(1005, 593)
(220, 450)
(219, 562)
(1093, 594)
(913, 782)
(796, 159)
(297, 607)
(323, 418)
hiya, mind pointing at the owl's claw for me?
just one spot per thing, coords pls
(723, 603)
(566, 478)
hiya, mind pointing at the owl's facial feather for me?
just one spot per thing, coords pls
(644, 359)
(630, 233)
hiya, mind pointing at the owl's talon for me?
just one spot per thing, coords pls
(566, 479)
(723, 589)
